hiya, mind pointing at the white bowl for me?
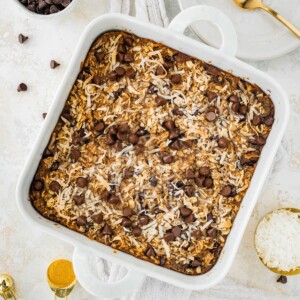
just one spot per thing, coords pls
(62, 13)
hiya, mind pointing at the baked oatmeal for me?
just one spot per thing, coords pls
(153, 153)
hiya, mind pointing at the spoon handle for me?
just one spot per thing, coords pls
(286, 23)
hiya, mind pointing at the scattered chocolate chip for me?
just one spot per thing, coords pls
(124, 128)
(176, 78)
(189, 190)
(243, 110)
(112, 75)
(81, 221)
(130, 73)
(54, 64)
(54, 186)
(282, 279)
(79, 199)
(98, 80)
(168, 62)
(176, 145)
(200, 181)
(128, 58)
(99, 56)
(269, 120)
(122, 136)
(212, 232)
(126, 222)
(54, 9)
(110, 139)
(195, 263)
(196, 234)
(153, 181)
(38, 185)
(160, 101)
(180, 57)
(150, 252)
(170, 125)
(249, 158)
(44, 115)
(81, 182)
(22, 38)
(208, 182)
(99, 126)
(167, 159)
(144, 220)
(107, 230)
(173, 134)
(169, 236)
(259, 140)
(105, 195)
(114, 199)
(137, 231)
(256, 120)
(120, 71)
(235, 107)
(128, 173)
(75, 154)
(188, 143)
(176, 231)
(139, 149)
(133, 138)
(223, 142)
(189, 219)
(128, 41)
(210, 116)
(184, 211)
(226, 191)
(113, 130)
(54, 166)
(98, 219)
(128, 212)
(47, 153)
(22, 87)
(234, 99)
(211, 70)
(205, 171)
(190, 174)
(159, 71)
(211, 95)
(177, 112)
(120, 57)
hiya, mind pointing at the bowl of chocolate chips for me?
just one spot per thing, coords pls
(46, 8)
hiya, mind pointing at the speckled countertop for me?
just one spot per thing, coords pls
(26, 251)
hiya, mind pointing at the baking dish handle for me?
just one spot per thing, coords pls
(213, 15)
(131, 281)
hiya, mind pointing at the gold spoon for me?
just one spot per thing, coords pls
(253, 4)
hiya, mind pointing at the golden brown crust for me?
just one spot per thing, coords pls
(153, 153)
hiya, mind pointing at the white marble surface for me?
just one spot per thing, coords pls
(26, 251)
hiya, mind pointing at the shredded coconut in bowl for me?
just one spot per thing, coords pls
(277, 240)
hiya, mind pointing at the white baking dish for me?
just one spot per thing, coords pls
(223, 58)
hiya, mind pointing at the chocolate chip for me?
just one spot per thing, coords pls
(99, 56)
(144, 220)
(208, 182)
(212, 232)
(176, 231)
(128, 173)
(190, 174)
(176, 78)
(137, 231)
(153, 181)
(139, 149)
(110, 139)
(128, 41)
(173, 134)
(211, 70)
(99, 126)
(105, 195)
(184, 211)
(180, 57)
(223, 142)
(114, 199)
(47, 153)
(128, 212)
(152, 89)
(54, 64)
(120, 71)
(234, 99)
(196, 234)
(226, 191)
(128, 58)
(98, 219)
(195, 263)
(167, 159)
(282, 279)
(44, 115)
(188, 143)
(168, 62)
(177, 112)
(124, 128)
(113, 130)
(122, 48)
(256, 120)
(55, 186)
(133, 138)
(107, 230)
(269, 120)
(120, 57)
(200, 181)
(81, 182)
(205, 171)
(249, 158)
(211, 95)
(159, 71)
(22, 87)
(112, 75)
(22, 38)
(81, 221)
(169, 124)
(189, 219)
(260, 141)
(160, 101)
(150, 252)
(189, 190)
(130, 73)
(122, 136)
(38, 185)
(79, 199)
(126, 222)
(98, 80)
(169, 236)
(54, 9)
(243, 110)
(210, 116)
(235, 107)
(54, 166)
(176, 145)
(75, 154)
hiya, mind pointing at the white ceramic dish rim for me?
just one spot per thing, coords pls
(57, 15)
(174, 38)
(285, 49)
